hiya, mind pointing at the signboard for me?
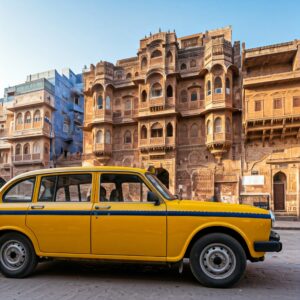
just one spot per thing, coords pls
(253, 180)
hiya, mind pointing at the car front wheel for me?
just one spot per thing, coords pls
(217, 260)
(17, 256)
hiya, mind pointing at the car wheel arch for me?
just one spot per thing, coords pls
(215, 228)
(30, 237)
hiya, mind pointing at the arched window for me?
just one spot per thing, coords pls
(208, 87)
(99, 137)
(144, 96)
(169, 57)
(183, 96)
(227, 86)
(107, 103)
(192, 63)
(183, 66)
(208, 127)
(218, 85)
(18, 149)
(228, 125)
(169, 130)
(100, 102)
(19, 119)
(144, 63)
(127, 104)
(143, 132)
(128, 76)
(218, 125)
(169, 91)
(36, 148)
(156, 130)
(127, 137)
(107, 137)
(156, 53)
(37, 116)
(194, 131)
(27, 119)
(156, 90)
(26, 149)
(194, 96)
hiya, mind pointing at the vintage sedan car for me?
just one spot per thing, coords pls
(126, 214)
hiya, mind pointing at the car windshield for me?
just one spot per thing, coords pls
(160, 187)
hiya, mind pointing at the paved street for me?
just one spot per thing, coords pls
(276, 278)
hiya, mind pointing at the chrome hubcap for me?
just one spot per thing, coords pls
(217, 261)
(13, 255)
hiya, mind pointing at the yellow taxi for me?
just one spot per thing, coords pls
(126, 214)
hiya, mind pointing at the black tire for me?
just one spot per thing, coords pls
(17, 256)
(217, 260)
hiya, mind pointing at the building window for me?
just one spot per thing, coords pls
(183, 66)
(144, 96)
(156, 90)
(36, 148)
(66, 127)
(183, 96)
(99, 137)
(257, 106)
(227, 86)
(208, 87)
(169, 130)
(169, 57)
(194, 96)
(128, 76)
(277, 103)
(100, 102)
(296, 101)
(144, 63)
(218, 85)
(156, 53)
(37, 116)
(169, 91)
(194, 131)
(76, 100)
(143, 132)
(107, 103)
(127, 137)
(107, 137)
(19, 119)
(218, 125)
(156, 130)
(18, 149)
(26, 149)
(127, 104)
(27, 117)
(192, 63)
(208, 127)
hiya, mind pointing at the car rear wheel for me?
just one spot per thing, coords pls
(17, 256)
(217, 260)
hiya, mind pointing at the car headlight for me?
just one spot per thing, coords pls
(272, 218)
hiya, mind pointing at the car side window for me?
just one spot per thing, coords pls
(22, 191)
(123, 188)
(66, 188)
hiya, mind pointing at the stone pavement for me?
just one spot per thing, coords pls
(287, 225)
(276, 278)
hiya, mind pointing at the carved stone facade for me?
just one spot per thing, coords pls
(214, 130)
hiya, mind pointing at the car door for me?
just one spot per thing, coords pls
(60, 216)
(124, 223)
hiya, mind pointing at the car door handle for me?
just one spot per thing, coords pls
(102, 207)
(37, 207)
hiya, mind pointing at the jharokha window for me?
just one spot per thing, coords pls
(100, 102)
(257, 105)
(156, 130)
(156, 90)
(296, 101)
(277, 103)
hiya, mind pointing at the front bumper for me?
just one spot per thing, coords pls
(273, 245)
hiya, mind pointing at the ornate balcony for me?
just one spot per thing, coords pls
(154, 144)
(28, 159)
(22, 132)
(218, 143)
(102, 151)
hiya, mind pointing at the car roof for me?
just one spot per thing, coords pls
(80, 169)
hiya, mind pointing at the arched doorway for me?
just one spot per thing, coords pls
(279, 187)
(163, 175)
(2, 182)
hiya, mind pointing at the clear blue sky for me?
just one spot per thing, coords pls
(37, 35)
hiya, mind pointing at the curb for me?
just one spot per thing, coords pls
(286, 228)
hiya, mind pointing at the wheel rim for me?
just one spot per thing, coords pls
(13, 255)
(217, 261)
